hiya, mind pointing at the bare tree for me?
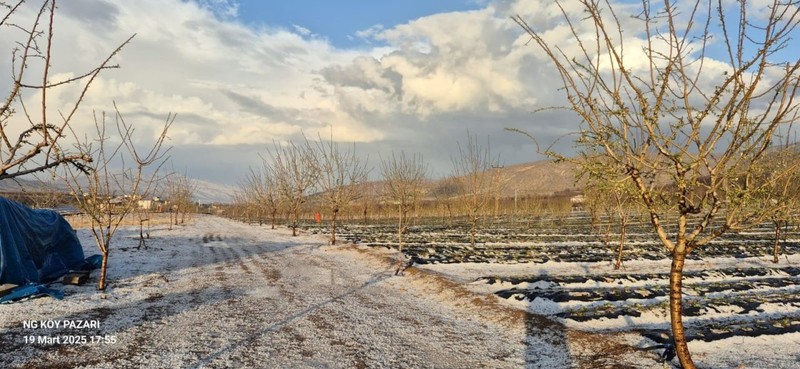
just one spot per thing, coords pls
(476, 180)
(143, 213)
(500, 184)
(259, 193)
(271, 197)
(447, 189)
(260, 189)
(597, 203)
(242, 199)
(108, 188)
(785, 193)
(403, 178)
(690, 133)
(181, 193)
(296, 170)
(30, 141)
(615, 199)
(341, 173)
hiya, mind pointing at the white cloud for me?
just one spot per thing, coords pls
(302, 30)
(369, 33)
(183, 58)
(440, 64)
(232, 84)
(222, 8)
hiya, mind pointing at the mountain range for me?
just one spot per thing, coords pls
(538, 178)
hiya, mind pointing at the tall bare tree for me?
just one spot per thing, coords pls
(260, 189)
(341, 173)
(181, 191)
(476, 180)
(296, 170)
(108, 188)
(687, 121)
(403, 178)
(29, 136)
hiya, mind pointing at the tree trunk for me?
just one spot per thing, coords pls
(776, 244)
(274, 213)
(609, 226)
(333, 226)
(449, 215)
(623, 222)
(101, 285)
(472, 231)
(676, 307)
(294, 223)
(141, 236)
(400, 242)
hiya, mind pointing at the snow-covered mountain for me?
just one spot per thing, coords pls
(210, 192)
(206, 192)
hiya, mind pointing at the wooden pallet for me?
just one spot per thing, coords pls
(6, 288)
(76, 278)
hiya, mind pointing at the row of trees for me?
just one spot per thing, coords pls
(291, 173)
(333, 176)
(374, 206)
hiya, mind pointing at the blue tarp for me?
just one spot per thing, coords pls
(36, 246)
(31, 291)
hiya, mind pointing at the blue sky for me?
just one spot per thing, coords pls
(339, 20)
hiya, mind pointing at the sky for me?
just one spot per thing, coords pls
(414, 75)
(340, 22)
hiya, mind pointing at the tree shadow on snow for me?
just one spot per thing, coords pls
(168, 254)
(550, 344)
(546, 342)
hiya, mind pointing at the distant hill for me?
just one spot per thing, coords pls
(21, 185)
(538, 178)
(207, 192)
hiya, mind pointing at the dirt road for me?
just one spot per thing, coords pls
(217, 294)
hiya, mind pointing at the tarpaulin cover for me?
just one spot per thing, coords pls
(36, 246)
(31, 291)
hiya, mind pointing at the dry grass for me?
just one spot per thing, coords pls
(154, 219)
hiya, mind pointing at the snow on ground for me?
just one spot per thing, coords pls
(219, 294)
(769, 351)
(468, 272)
